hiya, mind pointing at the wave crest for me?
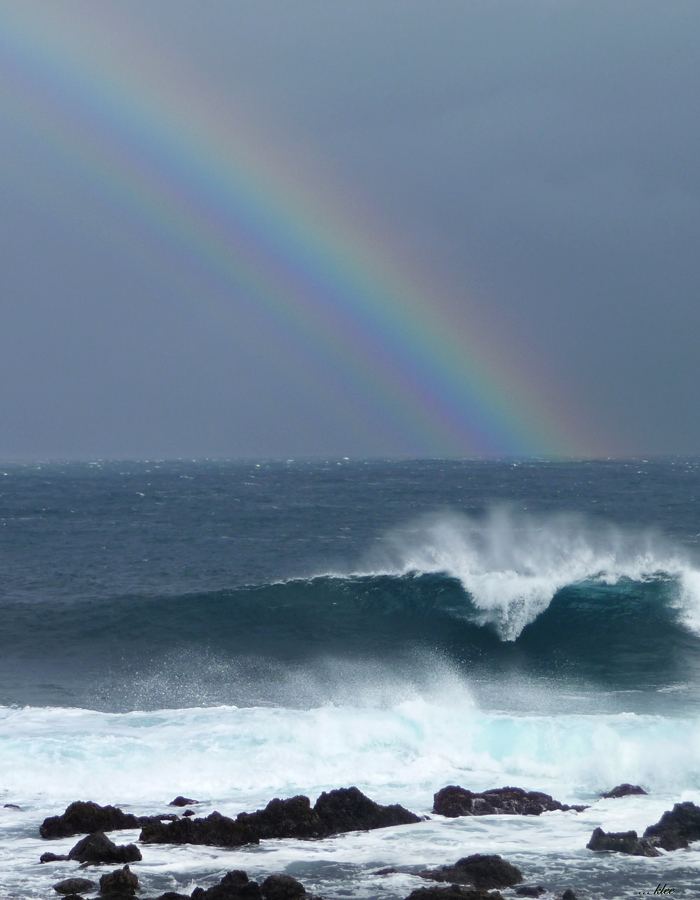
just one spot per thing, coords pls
(512, 564)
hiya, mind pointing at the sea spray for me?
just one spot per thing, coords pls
(512, 564)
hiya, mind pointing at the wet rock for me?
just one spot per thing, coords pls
(97, 848)
(121, 881)
(348, 809)
(568, 895)
(621, 842)
(188, 812)
(183, 801)
(390, 870)
(215, 830)
(456, 801)
(286, 818)
(335, 812)
(479, 870)
(74, 886)
(171, 895)
(52, 857)
(677, 828)
(12, 806)
(233, 886)
(623, 790)
(282, 887)
(531, 891)
(86, 818)
(453, 892)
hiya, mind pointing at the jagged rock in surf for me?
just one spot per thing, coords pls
(568, 895)
(677, 828)
(86, 817)
(12, 806)
(479, 870)
(348, 809)
(237, 886)
(621, 842)
(121, 881)
(233, 886)
(172, 895)
(282, 887)
(74, 886)
(453, 801)
(183, 801)
(292, 818)
(97, 848)
(623, 790)
(215, 830)
(530, 891)
(335, 812)
(53, 857)
(453, 892)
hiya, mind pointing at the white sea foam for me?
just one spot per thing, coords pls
(234, 759)
(407, 752)
(512, 564)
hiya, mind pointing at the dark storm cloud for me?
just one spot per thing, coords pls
(545, 151)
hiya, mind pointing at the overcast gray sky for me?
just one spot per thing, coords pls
(544, 153)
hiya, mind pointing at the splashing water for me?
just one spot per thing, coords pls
(513, 564)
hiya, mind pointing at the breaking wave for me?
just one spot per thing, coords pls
(505, 595)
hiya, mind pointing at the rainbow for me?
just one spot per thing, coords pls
(200, 176)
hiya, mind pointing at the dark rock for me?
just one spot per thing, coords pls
(348, 809)
(388, 871)
(86, 818)
(233, 886)
(453, 892)
(214, 830)
(335, 812)
(531, 891)
(117, 895)
(183, 801)
(677, 828)
(73, 897)
(286, 818)
(478, 870)
(171, 895)
(97, 848)
(12, 806)
(345, 809)
(74, 886)
(52, 857)
(121, 881)
(456, 801)
(188, 812)
(568, 895)
(621, 842)
(623, 790)
(282, 887)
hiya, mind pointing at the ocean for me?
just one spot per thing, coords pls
(238, 631)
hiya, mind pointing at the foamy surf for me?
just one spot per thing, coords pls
(238, 759)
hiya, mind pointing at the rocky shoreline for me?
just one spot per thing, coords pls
(477, 877)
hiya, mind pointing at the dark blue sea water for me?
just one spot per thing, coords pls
(237, 631)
